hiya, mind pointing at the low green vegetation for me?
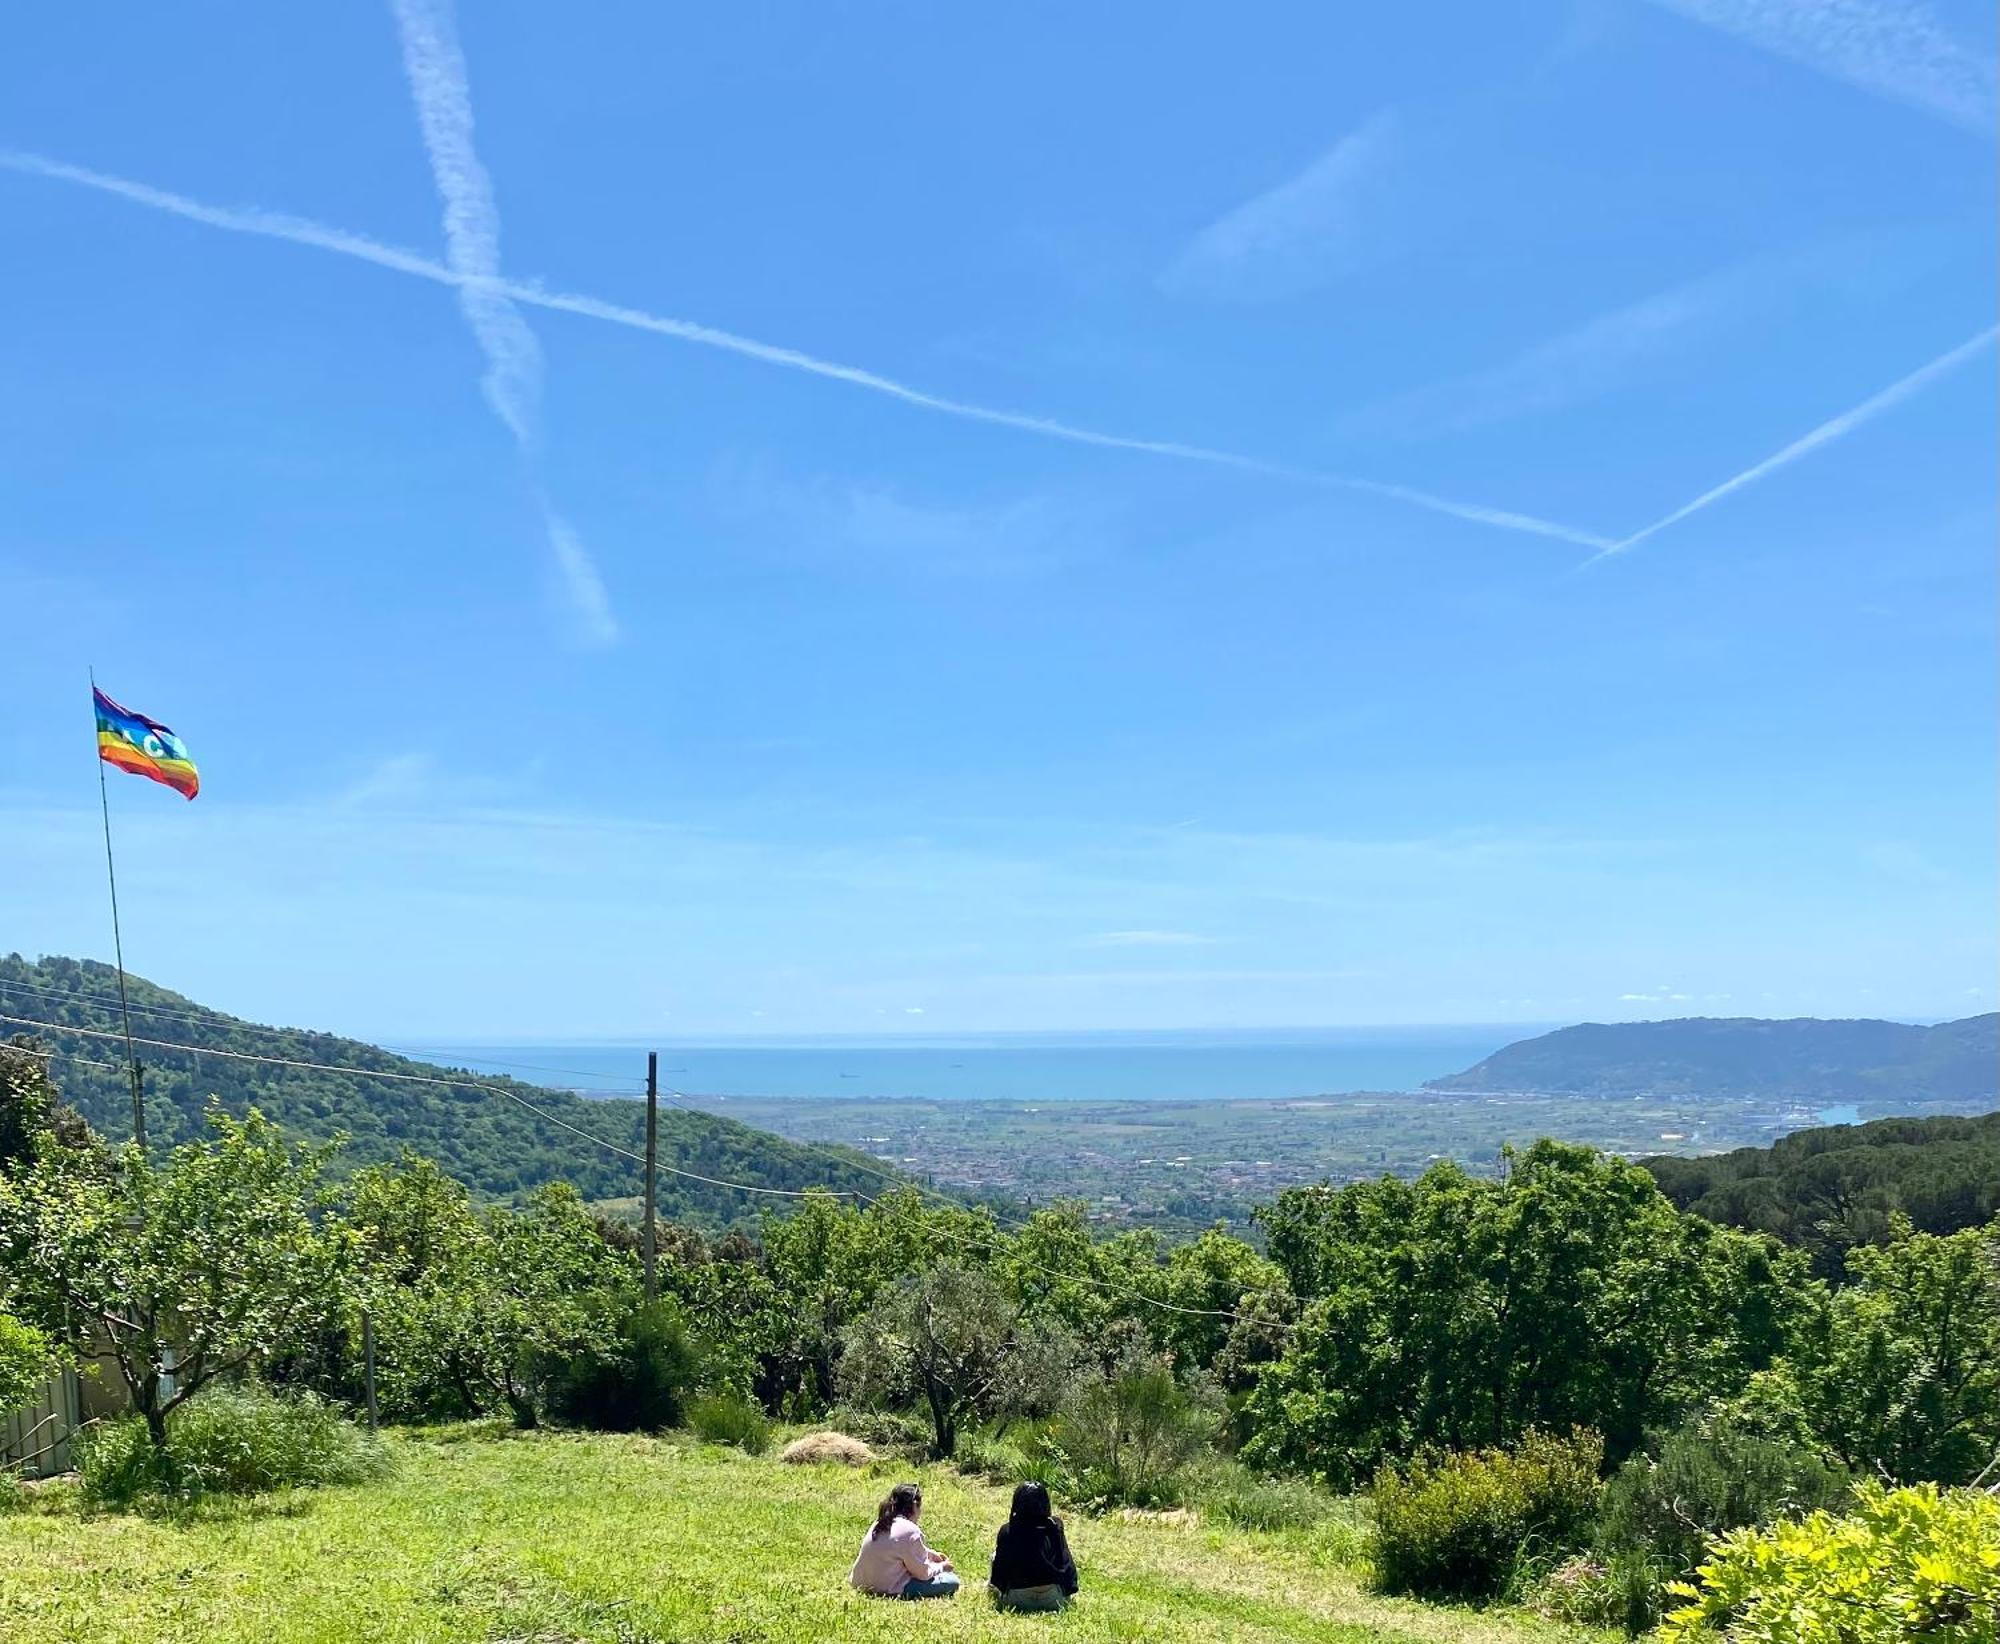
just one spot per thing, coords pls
(1458, 1524)
(231, 1441)
(1909, 1564)
(587, 1539)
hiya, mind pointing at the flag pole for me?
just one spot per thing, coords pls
(118, 945)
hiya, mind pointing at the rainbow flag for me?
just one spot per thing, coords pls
(143, 746)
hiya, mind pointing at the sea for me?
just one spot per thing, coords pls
(1094, 1067)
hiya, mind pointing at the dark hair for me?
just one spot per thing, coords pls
(901, 1502)
(1031, 1504)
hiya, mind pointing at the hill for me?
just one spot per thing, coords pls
(494, 1144)
(1885, 1065)
(1832, 1188)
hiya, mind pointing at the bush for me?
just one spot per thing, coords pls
(1130, 1440)
(232, 1441)
(1460, 1525)
(1909, 1564)
(729, 1418)
(1662, 1513)
(637, 1380)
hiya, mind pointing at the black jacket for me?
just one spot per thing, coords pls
(1033, 1555)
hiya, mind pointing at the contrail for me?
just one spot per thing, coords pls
(435, 67)
(320, 236)
(1824, 434)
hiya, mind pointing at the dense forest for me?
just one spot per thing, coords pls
(1895, 1066)
(498, 1147)
(1838, 1186)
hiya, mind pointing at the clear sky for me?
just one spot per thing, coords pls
(981, 626)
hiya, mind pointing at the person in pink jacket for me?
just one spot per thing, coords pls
(895, 1560)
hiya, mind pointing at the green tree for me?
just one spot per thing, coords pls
(477, 1310)
(1908, 1382)
(951, 1338)
(1464, 1312)
(26, 1358)
(187, 1271)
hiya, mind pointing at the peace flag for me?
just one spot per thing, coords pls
(143, 746)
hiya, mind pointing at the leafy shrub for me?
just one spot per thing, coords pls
(729, 1418)
(1662, 1513)
(1908, 1564)
(637, 1378)
(25, 1362)
(1459, 1525)
(1130, 1440)
(232, 1441)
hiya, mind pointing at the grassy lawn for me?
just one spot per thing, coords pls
(549, 1539)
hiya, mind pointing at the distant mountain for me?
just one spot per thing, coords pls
(1837, 1186)
(1881, 1064)
(488, 1140)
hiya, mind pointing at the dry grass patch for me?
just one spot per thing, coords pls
(817, 1449)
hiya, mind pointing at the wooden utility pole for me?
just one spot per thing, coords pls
(368, 1366)
(650, 1238)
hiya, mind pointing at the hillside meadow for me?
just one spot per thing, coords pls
(571, 1539)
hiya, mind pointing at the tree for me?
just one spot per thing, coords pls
(32, 1116)
(1463, 1312)
(476, 1310)
(25, 1361)
(1908, 1380)
(952, 1338)
(186, 1271)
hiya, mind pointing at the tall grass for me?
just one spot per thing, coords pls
(228, 1441)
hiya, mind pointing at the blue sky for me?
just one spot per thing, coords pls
(1156, 532)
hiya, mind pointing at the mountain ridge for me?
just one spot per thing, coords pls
(474, 1124)
(1797, 1059)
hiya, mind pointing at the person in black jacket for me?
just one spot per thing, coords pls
(1032, 1569)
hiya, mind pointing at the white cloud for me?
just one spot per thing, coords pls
(1146, 939)
(1300, 234)
(1893, 48)
(319, 236)
(1578, 365)
(1833, 429)
(435, 67)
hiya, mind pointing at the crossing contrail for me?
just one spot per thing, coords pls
(1824, 434)
(532, 294)
(441, 90)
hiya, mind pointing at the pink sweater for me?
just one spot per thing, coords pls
(891, 1561)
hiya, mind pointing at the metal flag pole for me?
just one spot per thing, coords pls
(118, 945)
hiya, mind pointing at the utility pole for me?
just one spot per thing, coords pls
(650, 1238)
(368, 1366)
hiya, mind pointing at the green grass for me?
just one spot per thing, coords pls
(558, 1539)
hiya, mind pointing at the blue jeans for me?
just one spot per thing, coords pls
(943, 1587)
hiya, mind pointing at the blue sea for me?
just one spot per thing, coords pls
(1101, 1067)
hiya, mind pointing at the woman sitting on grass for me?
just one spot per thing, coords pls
(895, 1560)
(1032, 1569)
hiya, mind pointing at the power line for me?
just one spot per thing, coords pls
(414, 1079)
(202, 1014)
(688, 1175)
